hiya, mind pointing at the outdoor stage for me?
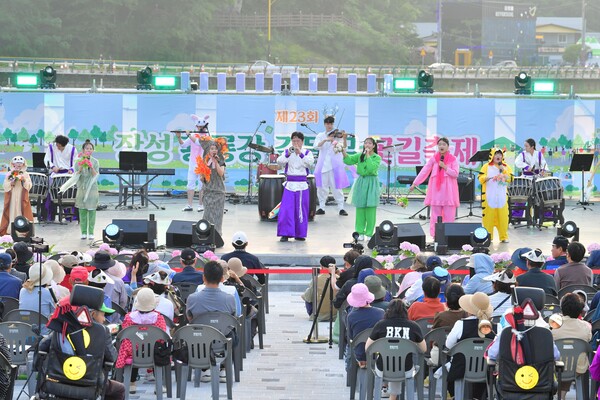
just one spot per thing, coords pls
(326, 235)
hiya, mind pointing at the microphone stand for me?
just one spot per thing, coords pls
(248, 198)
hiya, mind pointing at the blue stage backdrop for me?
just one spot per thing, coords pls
(141, 122)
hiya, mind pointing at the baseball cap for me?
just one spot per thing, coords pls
(5, 260)
(501, 276)
(79, 274)
(433, 261)
(68, 261)
(535, 255)
(106, 310)
(239, 238)
(188, 254)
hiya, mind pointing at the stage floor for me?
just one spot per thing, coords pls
(326, 235)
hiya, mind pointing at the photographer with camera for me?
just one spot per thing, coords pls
(330, 172)
(327, 264)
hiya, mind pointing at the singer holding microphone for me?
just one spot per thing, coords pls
(293, 212)
(494, 178)
(442, 190)
(366, 188)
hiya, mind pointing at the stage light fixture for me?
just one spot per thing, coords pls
(48, 78)
(203, 236)
(544, 87)
(144, 79)
(404, 85)
(27, 80)
(165, 82)
(113, 235)
(385, 241)
(522, 83)
(480, 240)
(21, 230)
(425, 82)
(569, 230)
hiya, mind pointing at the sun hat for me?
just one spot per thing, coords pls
(83, 258)
(360, 295)
(68, 261)
(374, 285)
(535, 256)
(477, 304)
(501, 276)
(58, 272)
(79, 274)
(145, 300)
(36, 278)
(239, 238)
(99, 277)
(157, 278)
(518, 259)
(102, 260)
(235, 264)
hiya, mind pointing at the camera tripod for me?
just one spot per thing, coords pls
(315, 325)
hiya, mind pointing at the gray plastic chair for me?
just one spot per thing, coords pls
(27, 316)
(225, 323)
(590, 290)
(200, 340)
(261, 319)
(19, 338)
(352, 376)
(570, 350)
(435, 337)
(425, 324)
(143, 339)
(262, 291)
(475, 365)
(393, 353)
(9, 303)
(552, 300)
(185, 289)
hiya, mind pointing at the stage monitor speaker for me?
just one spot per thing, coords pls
(466, 188)
(179, 233)
(411, 232)
(137, 231)
(457, 234)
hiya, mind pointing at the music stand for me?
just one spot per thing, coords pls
(582, 163)
(38, 160)
(133, 162)
(480, 156)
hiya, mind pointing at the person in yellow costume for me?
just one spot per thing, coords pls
(494, 178)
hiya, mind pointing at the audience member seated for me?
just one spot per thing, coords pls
(68, 262)
(584, 298)
(138, 267)
(10, 286)
(249, 260)
(535, 277)
(477, 324)
(341, 277)
(500, 300)
(29, 295)
(361, 317)
(58, 275)
(97, 278)
(189, 272)
(117, 291)
(361, 262)
(395, 324)
(454, 313)
(480, 266)
(593, 261)
(211, 297)
(21, 275)
(415, 292)
(431, 304)
(573, 328)
(559, 253)
(158, 282)
(418, 266)
(574, 272)
(375, 287)
(24, 257)
(308, 295)
(518, 260)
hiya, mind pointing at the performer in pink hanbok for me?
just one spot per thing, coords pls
(442, 190)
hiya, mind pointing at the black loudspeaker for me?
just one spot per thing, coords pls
(413, 233)
(136, 231)
(180, 234)
(456, 234)
(466, 188)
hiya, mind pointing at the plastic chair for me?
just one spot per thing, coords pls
(20, 337)
(260, 318)
(461, 263)
(475, 365)
(352, 375)
(425, 324)
(262, 291)
(570, 350)
(143, 339)
(590, 290)
(118, 309)
(185, 289)
(27, 316)
(393, 353)
(435, 337)
(124, 258)
(199, 340)
(9, 304)
(342, 341)
(225, 323)
(552, 299)
(590, 314)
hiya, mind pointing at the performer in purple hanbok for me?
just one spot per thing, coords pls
(293, 212)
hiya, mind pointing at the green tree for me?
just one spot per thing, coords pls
(110, 134)
(41, 134)
(572, 54)
(543, 141)
(23, 135)
(7, 134)
(95, 133)
(84, 135)
(73, 135)
(33, 139)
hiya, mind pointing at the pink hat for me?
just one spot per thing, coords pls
(360, 296)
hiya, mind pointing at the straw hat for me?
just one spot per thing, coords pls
(40, 280)
(58, 272)
(477, 304)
